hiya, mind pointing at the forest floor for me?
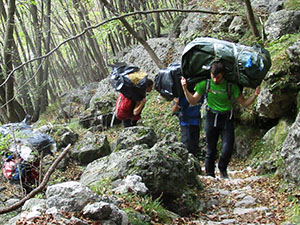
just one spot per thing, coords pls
(244, 198)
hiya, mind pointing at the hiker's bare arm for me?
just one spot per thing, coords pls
(192, 98)
(139, 107)
(175, 106)
(246, 102)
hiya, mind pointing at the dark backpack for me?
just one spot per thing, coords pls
(124, 107)
(167, 82)
(245, 65)
(119, 79)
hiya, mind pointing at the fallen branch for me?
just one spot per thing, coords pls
(40, 187)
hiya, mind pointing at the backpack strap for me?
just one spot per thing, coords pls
(228, 90)
(207, 88)
(229, 93)
(229, 85)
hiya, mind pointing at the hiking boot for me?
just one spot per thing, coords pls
(210, 175)
(223, 174)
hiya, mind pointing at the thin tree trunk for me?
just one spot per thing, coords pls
(17, 107)
(135, 34)
(8, 66)
(44, 91)
(84, 20)
(24, 90)
(39, 77)
(251, 19)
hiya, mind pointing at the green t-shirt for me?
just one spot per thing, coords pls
(217, 98)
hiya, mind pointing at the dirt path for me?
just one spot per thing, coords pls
(244, 198)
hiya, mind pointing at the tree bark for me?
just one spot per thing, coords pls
(44, 92)
(251, 18)
(8, 66)
(39, 68)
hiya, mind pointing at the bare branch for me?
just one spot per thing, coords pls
(112, 19)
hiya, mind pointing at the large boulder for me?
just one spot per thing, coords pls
(165, 161)
(81, 95)
(267, 5)
(70, 203)
(191, 24)
(138, 56)
(91, 147)
(294, 54)
(104, 98)
(99, 115)
(132, 136)
(275, 104)
(282, 22)
(290, 152)
(69, 196)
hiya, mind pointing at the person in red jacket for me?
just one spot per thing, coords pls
(133, 109)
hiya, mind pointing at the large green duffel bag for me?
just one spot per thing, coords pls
(245, 65)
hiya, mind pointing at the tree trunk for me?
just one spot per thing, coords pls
(251, 19)
(24, 89)
(84, 21)
(8, 66)
(39, 69)
(44, 91)
(15, 60)
(135, 34)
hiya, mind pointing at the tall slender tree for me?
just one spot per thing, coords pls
(10, 100)
(251, 18)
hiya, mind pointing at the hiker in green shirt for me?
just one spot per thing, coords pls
(219, 117)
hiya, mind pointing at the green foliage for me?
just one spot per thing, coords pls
(49, 116)
(76, 127)
(229, 5)
(133, 219)
(102, 187)
(34, 2)
(153, 208)
(228, 36)
(57, 178)
(142, 132)
(278, 52)
(295, 211)
(157, 115)
(292, 4)
(148, 205)
(249, 39)
(40, 196)
(4, 143)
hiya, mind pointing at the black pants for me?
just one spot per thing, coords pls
(216, 125)
(190, 138)
(129, 123)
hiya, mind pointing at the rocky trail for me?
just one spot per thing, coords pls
(244, 198)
